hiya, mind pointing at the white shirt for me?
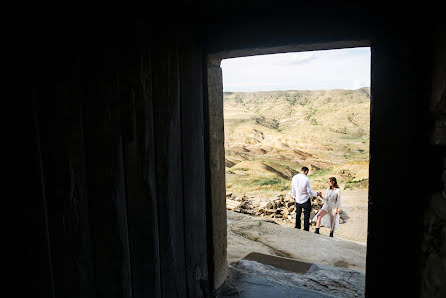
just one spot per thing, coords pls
(301, 188)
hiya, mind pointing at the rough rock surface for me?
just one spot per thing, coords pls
(253, 279)
(248, 234)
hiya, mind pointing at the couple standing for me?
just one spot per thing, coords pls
(301, 191)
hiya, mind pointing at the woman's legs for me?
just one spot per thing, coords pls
(319, 217)
(332, 219)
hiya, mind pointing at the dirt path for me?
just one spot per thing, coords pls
(355, 203)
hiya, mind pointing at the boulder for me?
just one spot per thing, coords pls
(285, 213)
(343, 215)
(247, 211)
(270, 211)
(263, 205)
(312, 214)
(246, 205)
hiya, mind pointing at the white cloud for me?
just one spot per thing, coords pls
(329, 69)
(296, 58)
(356, 84)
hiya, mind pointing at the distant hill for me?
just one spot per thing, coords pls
(270, 135)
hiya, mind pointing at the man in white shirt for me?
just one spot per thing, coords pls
(301, 191)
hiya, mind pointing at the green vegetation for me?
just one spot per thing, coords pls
(363, 183)
(319, 173)
(269, 181)
(311, 112)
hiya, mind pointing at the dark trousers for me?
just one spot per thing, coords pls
(307, 209)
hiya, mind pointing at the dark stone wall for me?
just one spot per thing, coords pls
(217, 173)
(433, 237)
(399, 143)
(119, 163)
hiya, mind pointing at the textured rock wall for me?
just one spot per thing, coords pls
(433, 243)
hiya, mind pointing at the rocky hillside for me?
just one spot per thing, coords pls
(269, 136)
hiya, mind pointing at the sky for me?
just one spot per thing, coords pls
(314, 70)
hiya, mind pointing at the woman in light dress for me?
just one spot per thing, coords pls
(328, 216)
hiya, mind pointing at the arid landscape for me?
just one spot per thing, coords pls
(270, 136)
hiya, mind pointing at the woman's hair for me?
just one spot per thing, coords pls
(335, 183)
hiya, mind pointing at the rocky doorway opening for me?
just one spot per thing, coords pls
(261, 156)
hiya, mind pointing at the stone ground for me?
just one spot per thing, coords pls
(247, 234)
(256, 277)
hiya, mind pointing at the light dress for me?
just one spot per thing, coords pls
(332, 200)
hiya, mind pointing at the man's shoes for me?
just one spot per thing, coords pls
(317, 231)
(331, 234)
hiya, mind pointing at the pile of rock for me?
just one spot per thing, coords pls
(283, 207)
(240, 204)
